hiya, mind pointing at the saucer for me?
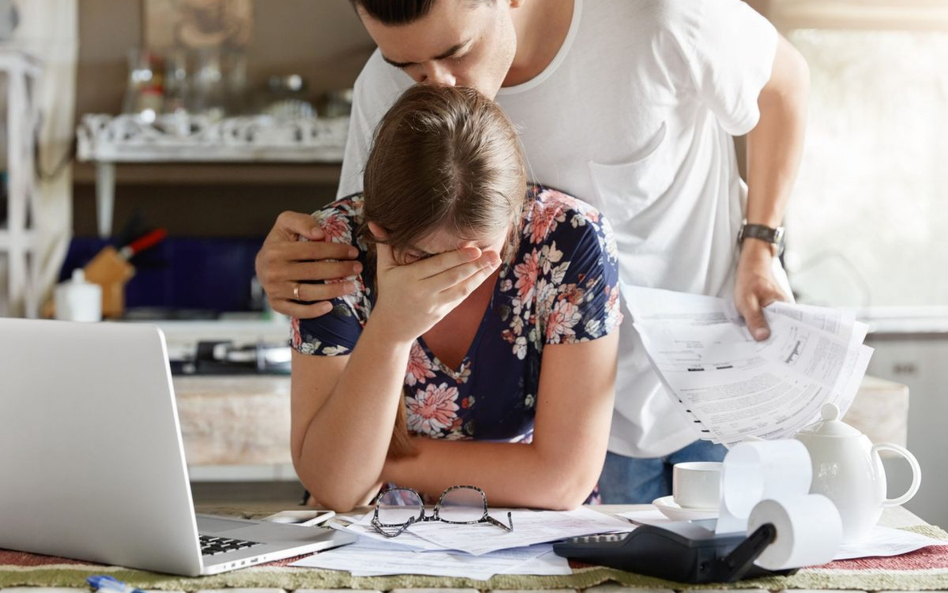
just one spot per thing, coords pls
(670, 509)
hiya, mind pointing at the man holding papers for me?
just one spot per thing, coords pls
(631, 106)
(732, 387)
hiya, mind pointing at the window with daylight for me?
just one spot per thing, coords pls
(867, 221)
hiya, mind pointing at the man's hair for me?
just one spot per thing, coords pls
(400, 12)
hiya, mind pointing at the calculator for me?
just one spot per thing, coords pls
(684, 552)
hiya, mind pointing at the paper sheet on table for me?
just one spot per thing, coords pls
(885, 541)
(362, 527)
(650, 516)
(530, 527)
(732, 386)
(369, 557)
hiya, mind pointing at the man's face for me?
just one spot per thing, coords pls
(458, 43)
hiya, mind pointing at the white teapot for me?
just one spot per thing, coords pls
(847, 470)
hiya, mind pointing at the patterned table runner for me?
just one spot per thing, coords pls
(925, 569)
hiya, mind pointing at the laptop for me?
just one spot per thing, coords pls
(92, 464)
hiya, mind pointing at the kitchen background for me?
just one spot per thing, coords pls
(322, 42)
(205, 163)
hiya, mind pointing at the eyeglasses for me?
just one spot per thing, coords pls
(396, 509)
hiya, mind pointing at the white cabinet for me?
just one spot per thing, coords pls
(919, 359)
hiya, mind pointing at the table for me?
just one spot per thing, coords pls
(893, 517)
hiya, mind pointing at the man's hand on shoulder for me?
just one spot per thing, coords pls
(285, 266)
(756, 287)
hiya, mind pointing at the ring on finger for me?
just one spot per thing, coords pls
(296, 291)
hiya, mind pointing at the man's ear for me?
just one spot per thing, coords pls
(377, 232)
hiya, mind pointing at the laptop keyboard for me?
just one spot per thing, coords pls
(211, 545)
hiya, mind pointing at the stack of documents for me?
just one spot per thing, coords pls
(732, 386)
(476, 551)
(370, 558)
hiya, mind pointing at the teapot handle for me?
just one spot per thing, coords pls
(916, 473)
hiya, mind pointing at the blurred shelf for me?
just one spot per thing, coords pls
(215, 173)
(194, 149)
(184, 138)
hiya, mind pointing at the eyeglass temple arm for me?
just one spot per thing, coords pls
(494, 521)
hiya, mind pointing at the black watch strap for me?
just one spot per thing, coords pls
(774, 236)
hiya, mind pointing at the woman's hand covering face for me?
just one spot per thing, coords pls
(414, 296)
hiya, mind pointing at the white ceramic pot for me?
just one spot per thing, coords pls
(847, 470)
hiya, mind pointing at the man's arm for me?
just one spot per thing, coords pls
(774, 148)
(283, 262)
(279, 266)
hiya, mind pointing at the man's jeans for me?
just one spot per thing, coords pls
(628, 480)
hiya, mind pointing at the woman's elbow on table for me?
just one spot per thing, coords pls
(566, 501)
(334, 494)
(341, 505)
(568, 485)
(340, 500)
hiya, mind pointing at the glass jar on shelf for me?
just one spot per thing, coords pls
(287, 98)
(144, 94)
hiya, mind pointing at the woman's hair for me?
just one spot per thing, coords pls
(443, 158)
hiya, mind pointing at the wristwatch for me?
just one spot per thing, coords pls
(774, 236)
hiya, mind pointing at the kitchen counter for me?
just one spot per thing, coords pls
(237, 427)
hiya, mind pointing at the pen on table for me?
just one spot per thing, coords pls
(108, 584)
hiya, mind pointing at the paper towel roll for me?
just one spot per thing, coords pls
(809, 531)
(760, 470)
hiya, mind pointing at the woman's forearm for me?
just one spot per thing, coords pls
(511, 474)
(560, 468)
(345, 444)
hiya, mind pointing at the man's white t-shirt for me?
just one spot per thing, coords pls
(634, 115)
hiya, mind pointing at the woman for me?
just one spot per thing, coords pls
(483, 327)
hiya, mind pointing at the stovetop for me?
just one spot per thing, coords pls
(227, 346)
(228, 358)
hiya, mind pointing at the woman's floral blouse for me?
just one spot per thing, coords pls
(558, 284)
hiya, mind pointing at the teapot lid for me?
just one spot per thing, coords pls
(831, 426)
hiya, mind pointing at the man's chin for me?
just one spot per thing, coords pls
(490, 92)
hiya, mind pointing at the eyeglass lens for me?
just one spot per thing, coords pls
(399, 506)
(462, 505)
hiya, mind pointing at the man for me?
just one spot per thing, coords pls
(630, 105)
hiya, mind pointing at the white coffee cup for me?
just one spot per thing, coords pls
(697, 484)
